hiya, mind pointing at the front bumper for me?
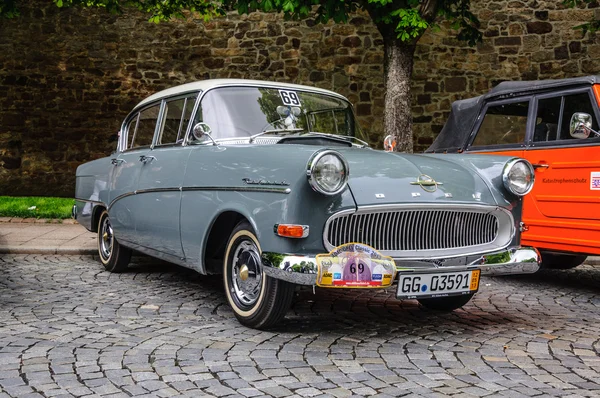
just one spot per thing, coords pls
(302, 270)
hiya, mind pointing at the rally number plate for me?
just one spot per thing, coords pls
(439, 284)
(354, 265)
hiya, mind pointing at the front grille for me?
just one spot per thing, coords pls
(415, 229)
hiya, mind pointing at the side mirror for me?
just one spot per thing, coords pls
(581, 125)
(201, 131)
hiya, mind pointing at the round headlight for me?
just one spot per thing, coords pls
(518, 176)
(327, 172)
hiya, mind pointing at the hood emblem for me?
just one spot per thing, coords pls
(427, 183)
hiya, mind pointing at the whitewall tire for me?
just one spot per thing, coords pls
(258, 301)
(113, 256)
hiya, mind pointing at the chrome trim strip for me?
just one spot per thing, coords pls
(303, 269)
(210, 188)
(413, 220)
(115, 200)
(95, 202)
(240, 189)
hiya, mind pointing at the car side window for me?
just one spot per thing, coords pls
(187, 114)
(131, 128)
(145, 127)
(503, 124)
(547, 119)
(554, 116)
(172, 122)
(572, 104)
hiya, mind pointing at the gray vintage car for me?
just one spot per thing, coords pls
(271, 185)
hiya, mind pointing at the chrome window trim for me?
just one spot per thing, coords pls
(165, 108)
(124, 126)
(505, 236)
(160, 122)
(123, 140)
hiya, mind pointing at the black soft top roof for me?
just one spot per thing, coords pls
(463, 114)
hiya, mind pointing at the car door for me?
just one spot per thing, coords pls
(126, 171)
(159, 188)
(562, 211)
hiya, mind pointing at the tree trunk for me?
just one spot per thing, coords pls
(398, 66)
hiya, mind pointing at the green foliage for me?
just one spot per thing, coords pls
(36, 207)
(406, 20)
(411, 24)
(159, 10)
(592, 26)
(8, 8)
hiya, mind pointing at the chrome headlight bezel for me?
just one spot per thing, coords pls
(314, 161)
(506, 176)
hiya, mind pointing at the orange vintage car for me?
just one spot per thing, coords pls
(554, 125)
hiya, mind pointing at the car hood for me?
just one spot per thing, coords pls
(378, 178)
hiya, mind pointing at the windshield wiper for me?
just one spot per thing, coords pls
(275, 131)
(336, 136)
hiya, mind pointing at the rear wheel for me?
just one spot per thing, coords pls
(561, 261)
(446, 303)
(258, 301)
(113, 256)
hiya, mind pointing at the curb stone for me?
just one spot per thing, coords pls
(47, 250)
(592, 260)
(18, 220)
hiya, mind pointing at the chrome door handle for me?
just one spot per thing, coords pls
(540, 165)
(145, 159)
(117, 162)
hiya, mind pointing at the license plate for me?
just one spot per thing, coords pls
(439, 284)
(354, 265)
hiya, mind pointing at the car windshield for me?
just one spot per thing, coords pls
(243, 112)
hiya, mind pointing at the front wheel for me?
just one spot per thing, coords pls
(113, 256)
(258, 301)
(561, 261)
(446, 304)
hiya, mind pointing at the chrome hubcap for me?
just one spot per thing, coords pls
(246, 275)
(106, 239)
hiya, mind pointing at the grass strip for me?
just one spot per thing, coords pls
(35, 207)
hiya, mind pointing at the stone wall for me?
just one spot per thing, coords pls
(69, 76)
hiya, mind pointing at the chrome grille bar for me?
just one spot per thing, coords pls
(400, 231)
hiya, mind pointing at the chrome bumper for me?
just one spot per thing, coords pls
(302, 270)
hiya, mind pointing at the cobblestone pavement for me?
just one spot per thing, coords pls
(67, 328)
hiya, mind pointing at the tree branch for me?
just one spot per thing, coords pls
(428, 9)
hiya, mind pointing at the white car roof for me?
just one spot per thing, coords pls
(212, 83)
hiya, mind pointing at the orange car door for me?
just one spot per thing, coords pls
(562, 212)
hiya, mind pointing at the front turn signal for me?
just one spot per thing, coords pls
(291, 230)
